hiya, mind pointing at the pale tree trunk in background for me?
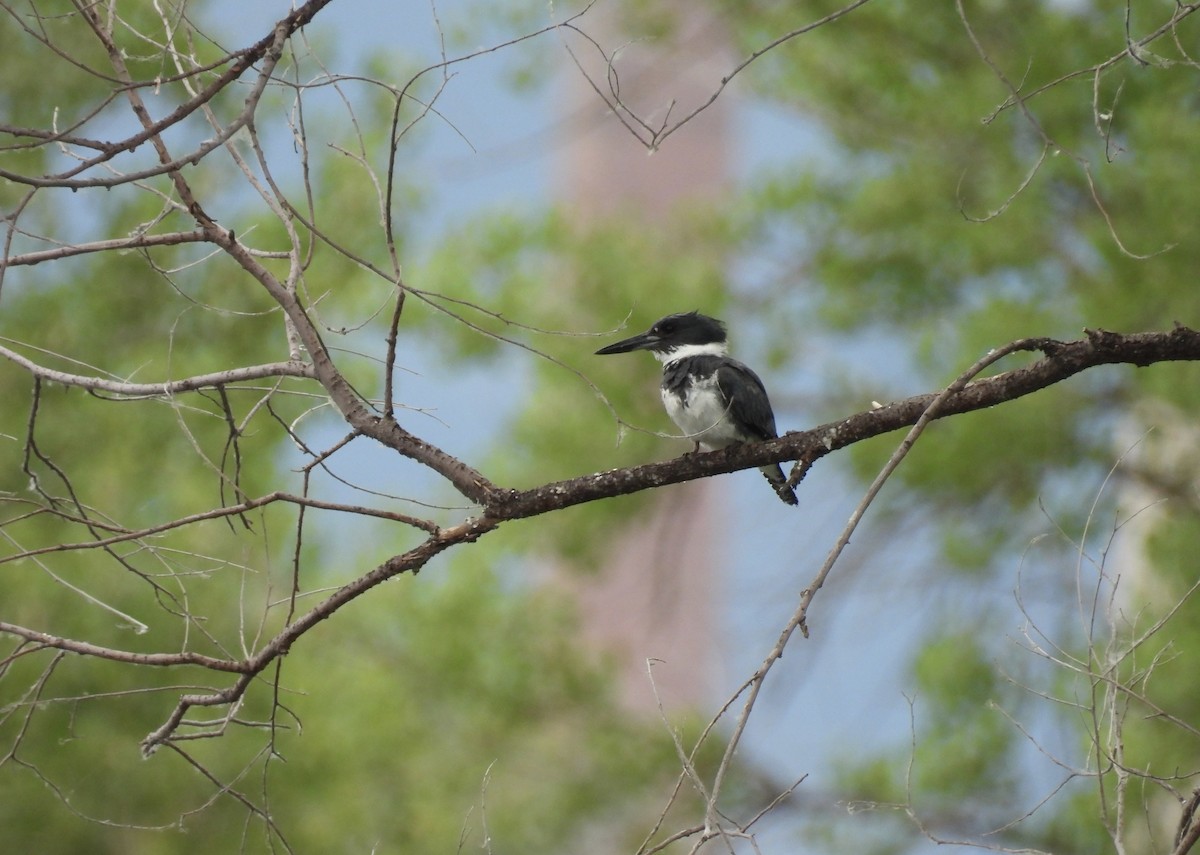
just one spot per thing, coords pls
(657, 595)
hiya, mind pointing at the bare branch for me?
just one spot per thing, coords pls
(129, 657)
(139, 241)
(165, 388)
(221, 513)
(243, 60)
(1131, 50)
(649, 136)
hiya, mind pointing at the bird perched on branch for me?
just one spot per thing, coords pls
(714, 399)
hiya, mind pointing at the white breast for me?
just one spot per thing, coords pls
(702, 415)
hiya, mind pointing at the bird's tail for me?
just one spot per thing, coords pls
(775, 475)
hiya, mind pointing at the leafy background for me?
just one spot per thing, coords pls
(900, 225)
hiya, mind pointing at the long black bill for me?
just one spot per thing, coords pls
(644, 341)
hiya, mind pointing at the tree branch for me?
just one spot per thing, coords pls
(1061, 361)
(166, 387)
(245, 59)
(85, 648)
(137, 241)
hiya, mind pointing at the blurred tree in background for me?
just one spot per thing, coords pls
(1007, 170)
(991, 171)
(446, 710)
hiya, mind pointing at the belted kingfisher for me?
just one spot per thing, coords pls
(714, 399)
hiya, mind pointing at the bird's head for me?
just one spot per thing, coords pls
(690, 330)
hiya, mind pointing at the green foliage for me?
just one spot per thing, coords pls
(539, 745)
(896, 241)
(1157, 665)
(952, 221)
(388, 720)
(961, 738)
(956, 220)
(967, 738)
(451, 706)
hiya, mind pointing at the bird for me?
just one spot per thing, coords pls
(714, 399)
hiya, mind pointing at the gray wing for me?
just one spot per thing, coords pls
(747, 397)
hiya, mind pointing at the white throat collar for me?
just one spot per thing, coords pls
(714, 348)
